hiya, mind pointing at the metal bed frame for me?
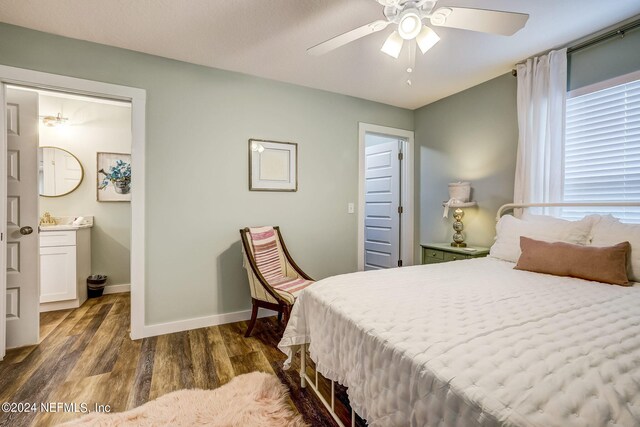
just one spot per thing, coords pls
(512, 206)
(313, 383)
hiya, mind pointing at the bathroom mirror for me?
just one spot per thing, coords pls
(59, 172)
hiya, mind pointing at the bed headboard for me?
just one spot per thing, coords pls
(511, 206)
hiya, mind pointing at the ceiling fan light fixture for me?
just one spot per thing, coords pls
(393, 45)
(427, 39)
(410, 24)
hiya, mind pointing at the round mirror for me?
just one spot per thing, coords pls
(59, 172)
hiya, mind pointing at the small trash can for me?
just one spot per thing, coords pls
(95, 285)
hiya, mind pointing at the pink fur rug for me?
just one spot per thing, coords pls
(255, 399)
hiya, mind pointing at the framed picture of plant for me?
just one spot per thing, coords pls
(114, 177)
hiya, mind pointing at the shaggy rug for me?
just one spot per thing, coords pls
(255, 399)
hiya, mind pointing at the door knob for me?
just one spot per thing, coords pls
(26, 230)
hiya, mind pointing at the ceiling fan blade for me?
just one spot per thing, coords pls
(347, 37)
(484, 21)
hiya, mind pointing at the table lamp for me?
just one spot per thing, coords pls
(459, 195)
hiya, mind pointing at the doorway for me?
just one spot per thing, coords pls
(12, 310)
(385, 217)
(69, 152)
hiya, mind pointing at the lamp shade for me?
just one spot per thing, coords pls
(460, 192)
(427, 39)
(393, 45)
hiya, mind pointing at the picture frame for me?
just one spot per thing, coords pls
(113, 177)
(273, 165)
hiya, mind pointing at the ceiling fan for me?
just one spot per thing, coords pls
(409, 16)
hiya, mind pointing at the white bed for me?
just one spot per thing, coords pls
(475, 343)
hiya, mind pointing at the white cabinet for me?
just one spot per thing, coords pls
(58, 273)
(65, 263)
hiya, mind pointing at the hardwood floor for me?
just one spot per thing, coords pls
(86, 356)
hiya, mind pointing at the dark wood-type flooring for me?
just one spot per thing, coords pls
(86, 355)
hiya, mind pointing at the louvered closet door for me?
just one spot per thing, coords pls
(602, 149)
(382, 198)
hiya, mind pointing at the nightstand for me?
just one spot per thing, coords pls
(443, 252)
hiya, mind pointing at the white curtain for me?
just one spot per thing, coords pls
(542, 92)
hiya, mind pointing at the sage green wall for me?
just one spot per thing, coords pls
(473, 135)
(470, 136)
(198, 122)
(612, 58)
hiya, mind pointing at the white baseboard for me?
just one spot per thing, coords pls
(116, 289)
(59, 305)
(201, 322)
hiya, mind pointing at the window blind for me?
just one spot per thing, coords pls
(602, 150)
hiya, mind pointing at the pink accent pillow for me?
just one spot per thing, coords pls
(600, 264)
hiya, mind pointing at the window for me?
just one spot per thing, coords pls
(602, 147)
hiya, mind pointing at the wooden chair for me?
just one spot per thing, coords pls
(275, 279)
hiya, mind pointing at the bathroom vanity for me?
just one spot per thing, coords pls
(65, 264)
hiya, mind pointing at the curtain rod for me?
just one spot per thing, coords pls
(618, 32)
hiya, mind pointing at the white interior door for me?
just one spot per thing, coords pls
(22, 292)
(382, 202)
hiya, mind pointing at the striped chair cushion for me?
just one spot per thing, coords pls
(270, 262)
(291, 285)
(267, 253)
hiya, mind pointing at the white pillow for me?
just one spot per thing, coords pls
(509, 230)
(610, 231)
(593, 218)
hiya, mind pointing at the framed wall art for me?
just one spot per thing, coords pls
(273, 165)
(114, 177)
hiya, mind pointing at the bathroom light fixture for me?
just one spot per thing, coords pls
(52, 121)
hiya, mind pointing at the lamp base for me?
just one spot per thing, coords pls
(459, 245)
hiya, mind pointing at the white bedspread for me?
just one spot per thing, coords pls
(475, 343)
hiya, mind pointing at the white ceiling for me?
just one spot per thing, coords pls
(269, 39)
